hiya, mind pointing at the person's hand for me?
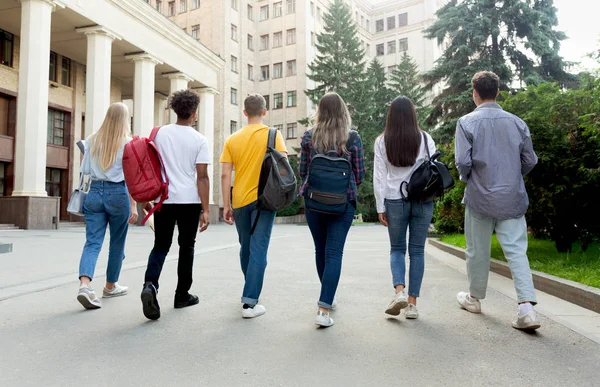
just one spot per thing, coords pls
(204, 221)
(133, 216)
(228, 215)
(383, 219)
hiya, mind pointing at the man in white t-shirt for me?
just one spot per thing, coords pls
(186, 156)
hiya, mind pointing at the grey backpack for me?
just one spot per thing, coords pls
(277, 185)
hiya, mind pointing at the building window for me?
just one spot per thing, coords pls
(266, 97)
(391, 22)
(52, 71)
(232, 127)
(264, 42)
(379, 25)
(158, 5)
(3, 168)
(380, 49)
(277, 39)
(264, 73)
(278, 101)
(277, 9)
(65, 78)
(312, 38)
(234, 32)
(368, 49)
(390, 69)
(53, 182)
(250, 12)
(182, 6)
(264, 12)
(291, 36)
(362, 21)
(250, 43)
(403, 19)
(184, 30)
(292, 130)
(234, 4)
(291, 68)
(234, 66)
(391, 47)
(318, 14)
(7, 115)
(250, 72)
(291, 98)
(6, 48)
(368, 26)
(290, 6)
(195, 4)
(279, 127)
(312, 8)
(277, 70)
(234, 96)
(196, 31)
(403, 46)
(58, 126)
(171, 8)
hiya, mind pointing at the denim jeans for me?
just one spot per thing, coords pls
(416, 217)
(187, 219)
(107, 204)
(512, 236)
(329, 233)
(253, 248)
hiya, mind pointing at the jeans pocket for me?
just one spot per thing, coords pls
(117, 200)
(93, 202)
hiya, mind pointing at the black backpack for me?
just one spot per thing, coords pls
(277, 184)
(429, 181)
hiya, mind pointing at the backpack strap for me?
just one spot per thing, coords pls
(165, 194)
(426, 145)
(271, 142)
(154, 133)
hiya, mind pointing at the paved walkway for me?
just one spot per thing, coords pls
(48, 339)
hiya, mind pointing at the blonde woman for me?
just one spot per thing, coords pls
(107, 204)
(329, 222)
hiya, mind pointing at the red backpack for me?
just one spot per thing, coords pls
(143, 169)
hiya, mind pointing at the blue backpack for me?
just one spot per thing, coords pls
(328, 181)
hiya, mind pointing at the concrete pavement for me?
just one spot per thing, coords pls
(46, 338)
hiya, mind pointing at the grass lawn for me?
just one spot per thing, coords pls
(579, 266)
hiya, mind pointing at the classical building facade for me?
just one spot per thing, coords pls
(62, 62)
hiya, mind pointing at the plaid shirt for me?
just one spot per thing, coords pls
(355, 156)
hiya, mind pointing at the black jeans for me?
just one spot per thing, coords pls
(187, 218)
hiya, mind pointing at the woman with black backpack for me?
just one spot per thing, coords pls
(399, 151)
(332, 168)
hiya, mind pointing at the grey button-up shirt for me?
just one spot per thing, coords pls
(493, 152)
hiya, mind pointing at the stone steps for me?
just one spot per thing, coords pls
(8, 227)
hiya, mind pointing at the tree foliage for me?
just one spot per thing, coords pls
(405, 80)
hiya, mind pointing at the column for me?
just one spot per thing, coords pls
(143, 93)
(159, 109)
(206, 126)
(179, 81)
(98, 70)
(32, 104)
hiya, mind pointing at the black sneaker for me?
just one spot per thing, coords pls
(185, 301)
(149, 302)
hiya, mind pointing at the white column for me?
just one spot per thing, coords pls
(32, 104)
(206, 126)
(179, 81)
(143, 93)
(98, 70)
(159, 109)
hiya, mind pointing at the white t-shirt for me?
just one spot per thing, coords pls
(181, 148)
(388, 178)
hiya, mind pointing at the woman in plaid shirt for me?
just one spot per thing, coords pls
(331, 132)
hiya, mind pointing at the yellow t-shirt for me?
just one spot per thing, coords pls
(246, 149)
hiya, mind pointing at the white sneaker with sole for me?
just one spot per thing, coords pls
(465, 302)
(411, 312)
(87, 297)
(323, 319)
(527, 322)
(258, 310)
(116, 291)
(399, 302)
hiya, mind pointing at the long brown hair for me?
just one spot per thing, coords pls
(402, 135)
(332, 125)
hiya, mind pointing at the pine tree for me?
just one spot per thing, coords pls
(405, 80)
(515, 39)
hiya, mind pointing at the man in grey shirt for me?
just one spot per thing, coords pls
(493, 153)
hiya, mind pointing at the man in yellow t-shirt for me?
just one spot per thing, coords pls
(244, 152)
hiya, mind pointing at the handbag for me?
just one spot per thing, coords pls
(78, 196)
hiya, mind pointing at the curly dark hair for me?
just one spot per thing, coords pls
(184, 103)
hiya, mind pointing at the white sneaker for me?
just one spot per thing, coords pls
(411, 312)
(87, 297)
(258, 310)
(323, 319)
(464, 300)
(116, 291)
(399, 302)
(527, 322)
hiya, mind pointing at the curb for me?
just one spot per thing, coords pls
(585, 296)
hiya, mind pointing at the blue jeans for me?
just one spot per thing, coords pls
(107, 204)
(329, 234)
(253, 251)
(416, 217)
